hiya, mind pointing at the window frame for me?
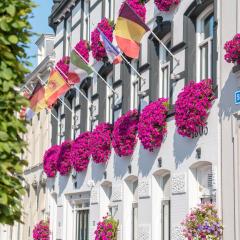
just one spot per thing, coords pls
(201, 42)
(165, 63)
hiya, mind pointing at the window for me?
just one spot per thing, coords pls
(166, 220)
(135, 210)
(61, 127)
(109, 9)
(109, 100)
(68, 36)
(94, 113)
(205, 29)
(134, 87)
(82, 221)
(117, 102)
(165, 71)
(86, 24)
(77, 116)
(202, 188)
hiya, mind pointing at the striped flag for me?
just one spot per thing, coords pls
(37, 99)
(114, 55)
(79, 66)
(129, 30)
(55, 87)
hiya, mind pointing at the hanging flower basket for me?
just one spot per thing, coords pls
(97, 47)
(125, 133)
(192, 107)
(63, 66)
(203, 223)
(232, 49)
(50, 161)
(138, 6)
(83, 48)
(41, 231)
(152, 126)
(101, 142)
(107, 229)
(81, 152)
(165, 5)
(64, 160)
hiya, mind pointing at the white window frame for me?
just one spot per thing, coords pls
(61, 125)
(109, 9)
(86, 21)
(109, 99)
(75, 210)
(134, 87)
(201, 43)
(68, 36)
(164, 67)
(135, 210)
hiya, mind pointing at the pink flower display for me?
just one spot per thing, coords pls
(152, 126)
(41, 231)
(203, 223)
(63, 65)
(138, 6)
(81, 152)
(101, 142)
(83, 48)
(50, 161)
(64, 160)
(165, 5)
(192, 107)
(124, 133)
(107, 229)
(232, 48)
(97, 47)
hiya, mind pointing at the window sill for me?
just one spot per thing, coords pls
(236, 71)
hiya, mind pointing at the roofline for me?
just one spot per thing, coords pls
(50, 35)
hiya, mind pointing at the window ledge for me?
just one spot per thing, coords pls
(236, 71)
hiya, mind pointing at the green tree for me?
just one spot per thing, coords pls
(15, 31)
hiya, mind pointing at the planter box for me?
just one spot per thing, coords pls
(236, 71)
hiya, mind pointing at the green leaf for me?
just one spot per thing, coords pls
(4, 26)
(3, 198)
(7, 73)
(11, 10)
(13, 39)
(3, 136)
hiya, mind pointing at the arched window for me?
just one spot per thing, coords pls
(162, 202)
(202, 186)
(204, 36)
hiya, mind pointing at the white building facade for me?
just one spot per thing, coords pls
(150, 193)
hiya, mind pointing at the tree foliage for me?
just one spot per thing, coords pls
(14, 36)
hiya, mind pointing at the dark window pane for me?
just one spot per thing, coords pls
(208, 26)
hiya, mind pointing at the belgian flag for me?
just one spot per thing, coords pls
(129, 30)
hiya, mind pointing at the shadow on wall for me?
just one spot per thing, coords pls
(81, 178)
(146, 160)
(62, 183)
(98, 171)
(120, 165)
(183, 147)
(226, 102)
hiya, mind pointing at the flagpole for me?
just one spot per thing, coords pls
(78, 90)
(97, 73)
(58, 98)
(47, 109)
(177, 60)
(156, 37)
(139, 75)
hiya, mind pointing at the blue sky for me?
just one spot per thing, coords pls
(39, 25)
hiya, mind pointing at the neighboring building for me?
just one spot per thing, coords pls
(38, 138)
(151, 192)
